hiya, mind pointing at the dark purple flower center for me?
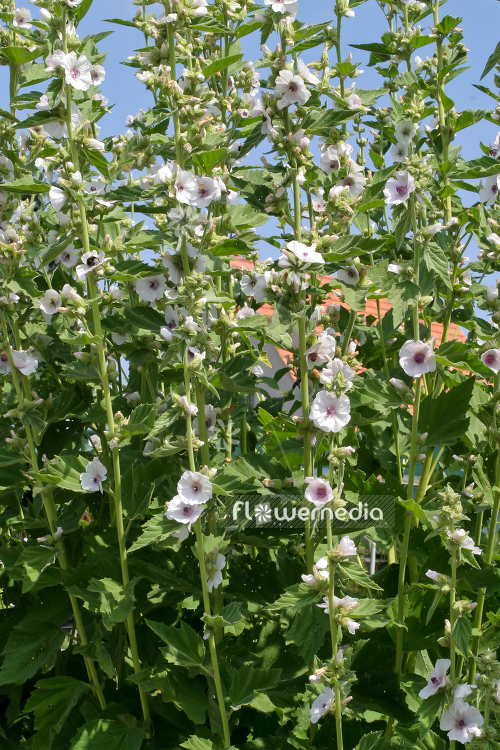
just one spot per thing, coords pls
(461, 723)
(92, 261)
(330, 411)
(153, 284)
(4, 357)
(293, 88)
(75, 73)
(493, 152)
(494, 188)
(490, 359)
(400, 190)
(419, 358)
(321, 493)
(313, 356)
(435, 680)
(187, 510)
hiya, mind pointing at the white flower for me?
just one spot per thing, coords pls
(291, 88)
(491, 358)
(207, 190)
(394, 268)
(417, 358)
(463, 540)
(348, 275)
(399, 151)
(344, 606)
(68, 258)
(354, 101)
(330, 160)
(346, 547)
(398, 189)
(143, 75)
(329, 412)
(194, 487)
(322, 705)
(186, 187)
(182, 511)
(298, 254)
(355, 181)
(50, 301)
(280, 6)
(434, 576)
(489, 192)
(462, 722)
(438, 677)
(22, 18)
(57, 198)
(318, 491)
(306, 74)
(73, 3)
(200, 7)
(492, 293)
(78, 71)
(210, 420)
(151, 288)
(97, 74)
(255, 285)
(330, 372)
(214, 577)
(94, 475)
(54, 60)
(498, 691)
(24, 362)
(4, 363)
(405, 132)
(90, 261)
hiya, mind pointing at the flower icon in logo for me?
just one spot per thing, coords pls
(263, 513)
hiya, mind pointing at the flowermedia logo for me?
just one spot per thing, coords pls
(288, 511)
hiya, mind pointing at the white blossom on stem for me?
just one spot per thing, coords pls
(416, 358)
(94, 475)
(491, 358)
(438, 677)
(77, 71)
(152, 288)
(330, 413)
(291, 88)
(322, 705)
(194, 487)
(398, 189)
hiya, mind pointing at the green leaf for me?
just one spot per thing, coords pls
(354, 572)
(155, 530)
(374, 741)
(493, 60)
(321, 122)
(444, 418)
(198, 743)
(429, 710)
(225, 617)
(140, 421)
(83, 9)
(107, 734)
(99, 161)
(185, 646)
(65, 472)
(29, 649)
(295, 597)
(34, 560)
(116, 601)
(308, 631)
(51, 702)
(247, 680)
(484, 166)
(207, 160)
(187, 695)
(434, 259)
(25, 185)
(462, 631)
(217, 65)
(19, 55)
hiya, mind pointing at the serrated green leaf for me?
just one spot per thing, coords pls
(107, 734)
(185, 646)
(51, 702)
(247, 681)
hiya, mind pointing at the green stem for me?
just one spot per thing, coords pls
(453, 616)
(388, 379)
(308, 468)
(348, 332)
(407, 530)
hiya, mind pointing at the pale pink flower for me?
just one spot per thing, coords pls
(152, 288)
(214, 573)
(4, 363)
(330, 413)
(194, 487)
(186, 187)
(299, 255)
(464, 541)
(438, 677)
(255, 285)
(398, 189)
(78, 71)
(97, 74)
(318, 491)
(399, 152)
(68, 257)
(462, 722)
(50, 301)
(90, 261)
(344, 606)
(22, 18)
(349, 275)
(291, 88)
(94, 475)
(488, 192)
(321, 705)
(404, 132)
(416, 358)
(24, 362)
(346, 547)
(182, 511)
(491, 359)
(57, 198)
(333, 368)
